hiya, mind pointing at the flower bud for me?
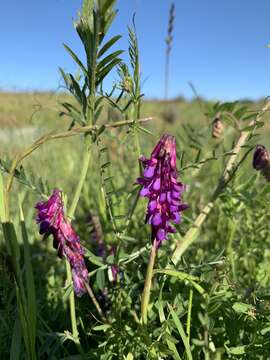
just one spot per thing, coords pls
(217, 127)
(261, 161)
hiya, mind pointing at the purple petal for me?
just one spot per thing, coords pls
(169, 198)
(176, 217)
(144, 192)
(175, 194)
(162, 198)
(152, 205)
(173, 208)
(156, 219)
(156, 185)
(161, 235)
(149, 171)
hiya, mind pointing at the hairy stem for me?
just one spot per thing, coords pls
(148, 283)
(62, 135)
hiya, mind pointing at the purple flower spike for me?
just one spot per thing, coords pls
(51, 220)
(160, 185)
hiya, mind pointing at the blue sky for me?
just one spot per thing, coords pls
(219, 45)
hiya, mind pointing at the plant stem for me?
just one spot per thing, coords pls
(95, 302)
(192, 233)
(71, 211)
(61, 135)
(75, 332)
(233, 226)
(148, 283)
(84, 169)
(189, 314)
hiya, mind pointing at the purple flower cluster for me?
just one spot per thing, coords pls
(52, 222)
(160, 185)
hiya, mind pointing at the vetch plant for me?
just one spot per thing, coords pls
(52, 221)
(160, 186)
(212, 303)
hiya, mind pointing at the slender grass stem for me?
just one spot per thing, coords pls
(62, 135)
(71, 211)
(233, 226)
(95, 302)
(85, 166)
(148, 283)
(189, 314)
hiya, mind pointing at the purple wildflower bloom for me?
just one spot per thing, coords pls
(52, 222)
(160, 185)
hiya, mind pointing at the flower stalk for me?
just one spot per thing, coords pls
(148, 283)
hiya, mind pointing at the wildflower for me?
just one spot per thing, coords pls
(52, 221)
(261, 161)
(160, 186)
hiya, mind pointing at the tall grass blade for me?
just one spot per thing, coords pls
(15, 349)
(181, 331)
(30, 285)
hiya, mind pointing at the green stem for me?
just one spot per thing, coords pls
(71, 211)
(75, 332)
(84, 169)
(148, 283)
(189, 314)
(192, 233)
(230, 248)
(95, 302)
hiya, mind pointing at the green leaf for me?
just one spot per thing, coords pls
(181, 332)
(105, 71)
(103, 327)
(76, 59)
(67, 292)
(242, 308)
(183, 276)
(65, 77)
(100, 278)
(108, 45)
(108, 59)
(15, 349)
(2, 201)
(93, 258)
(236, 350)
